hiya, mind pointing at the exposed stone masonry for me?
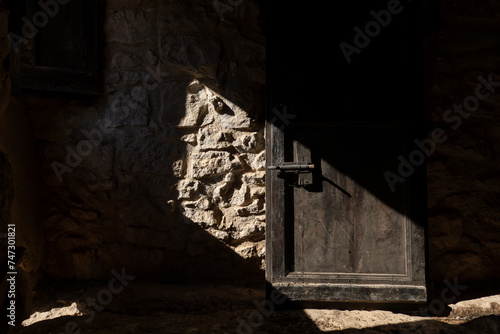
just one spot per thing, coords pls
(222, 185)
(168, 164)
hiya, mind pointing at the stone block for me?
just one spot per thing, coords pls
(250, 143)
(240, 196)
(249, 229)
(257, 178)
(238, 121)
(125, 60)
(203, 218)
(212, 163)
(258, 163)
(187, 188)
(181, 107)
(131, 26)
(223, 187)
(196, 106)
(197, 56)
(128, 107)
(213, 139)
(182, 18)
(150, 155)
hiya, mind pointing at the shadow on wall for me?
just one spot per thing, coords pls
(161, 174)
(202, 224)
(161, 201)
(162, 168)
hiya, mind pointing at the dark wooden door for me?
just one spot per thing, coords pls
(345, 96)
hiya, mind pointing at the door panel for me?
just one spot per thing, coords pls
(351, 230)
(344, 235)
(338, 232)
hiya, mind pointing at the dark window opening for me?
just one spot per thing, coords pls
(54, 47)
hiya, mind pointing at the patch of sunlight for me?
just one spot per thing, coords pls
(327, 320)
(474, 308)
(71, 310)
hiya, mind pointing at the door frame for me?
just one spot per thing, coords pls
(412, 288)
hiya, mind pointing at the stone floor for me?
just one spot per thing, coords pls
(144, 307)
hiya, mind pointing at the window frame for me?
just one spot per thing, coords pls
(30, 79)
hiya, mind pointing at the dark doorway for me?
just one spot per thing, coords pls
(345, 99)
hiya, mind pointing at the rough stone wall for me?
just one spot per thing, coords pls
(4, 52)
(222, 185)
(464, 171)
(164, 173)
(18, 192)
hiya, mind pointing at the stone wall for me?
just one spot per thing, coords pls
(4, 52)
(164, 172)
(18, 191)
(464, 171)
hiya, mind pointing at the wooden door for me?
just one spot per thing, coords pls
(346, 222)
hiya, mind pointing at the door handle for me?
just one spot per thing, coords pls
(299, 167)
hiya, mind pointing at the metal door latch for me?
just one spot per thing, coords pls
(299, 167)
(299, 172)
